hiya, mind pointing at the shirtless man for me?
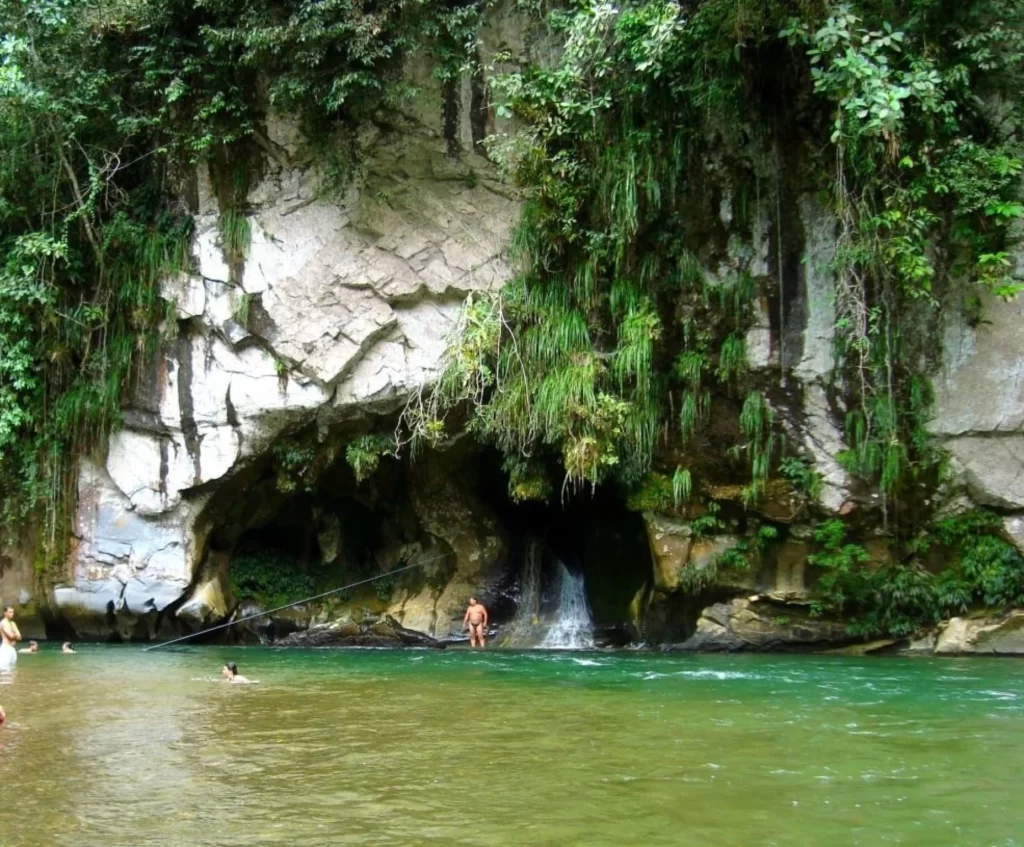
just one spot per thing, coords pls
(476, 617)
(11, 635)
(33, 647)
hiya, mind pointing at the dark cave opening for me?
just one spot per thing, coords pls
(277, 542)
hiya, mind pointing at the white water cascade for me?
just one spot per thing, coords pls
(521, 632)
(572, 628)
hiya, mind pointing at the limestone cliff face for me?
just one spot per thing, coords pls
(348, 305)
(338, 315)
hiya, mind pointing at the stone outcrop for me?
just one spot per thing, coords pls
(979, 405)
(466, 532)
(756, 623)
(982, 636)
(386, 632)
(18, 585)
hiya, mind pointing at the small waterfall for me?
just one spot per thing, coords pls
(523, 628)
(572, 629)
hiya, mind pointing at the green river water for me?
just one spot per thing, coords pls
(114, 746)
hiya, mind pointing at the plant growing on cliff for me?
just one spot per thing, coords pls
(897, 598)
(925, 185)
(364, 453)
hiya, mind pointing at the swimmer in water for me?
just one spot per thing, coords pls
(10, 635)
(231, 674)
(66, 647)
(33, 647)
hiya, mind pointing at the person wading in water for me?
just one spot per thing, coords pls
(230, 674)
(476, 617)
(11, 635)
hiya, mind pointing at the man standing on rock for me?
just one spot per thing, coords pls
(476, 617)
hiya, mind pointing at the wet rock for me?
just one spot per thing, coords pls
(867, 648)
(790, 573)
(670, 542)
(386, 632)
(982, 636)
(747, 624)
(467, 537)
(673, 547)
(979, 402)
(1013, 530)
(347, 305)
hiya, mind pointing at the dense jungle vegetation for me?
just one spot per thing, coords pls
(622, 339)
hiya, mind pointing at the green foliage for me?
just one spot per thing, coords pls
(991, 567)
(527, 480)
(294, 466)
(86, 237)
(611, 334)
(269, 578)
(730, 562)
(735, 558)
(693, 579)
(242, 307)
(803, 477)
(384, 587)
(765, 536)
(363, 454)
(893, 598)
(233, 225)
(756, 422)
(682, 486)
(578, 358)
(707, 523)
(654, 493)
(926, 186)
(657, 492)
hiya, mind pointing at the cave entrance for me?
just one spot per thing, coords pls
(299, 523)
(586, 546)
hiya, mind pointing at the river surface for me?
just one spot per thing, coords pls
(114, 747)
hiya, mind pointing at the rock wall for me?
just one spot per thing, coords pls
(338, 314)
(340, 310)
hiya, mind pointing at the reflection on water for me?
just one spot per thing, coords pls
(115, 747)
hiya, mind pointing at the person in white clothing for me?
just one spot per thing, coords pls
(11, 635)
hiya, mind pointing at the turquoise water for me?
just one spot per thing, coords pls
(113, 746)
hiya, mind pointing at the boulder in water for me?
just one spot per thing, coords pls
(992, 636)
(755, 624)
(386, 632)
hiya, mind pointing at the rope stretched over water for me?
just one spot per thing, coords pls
(289, 605)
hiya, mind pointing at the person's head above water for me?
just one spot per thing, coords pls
(229, 670)
(66, 647)
(33, 646)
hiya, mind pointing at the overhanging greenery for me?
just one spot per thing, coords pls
(614, 339)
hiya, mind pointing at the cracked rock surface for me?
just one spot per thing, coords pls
(341, 308)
